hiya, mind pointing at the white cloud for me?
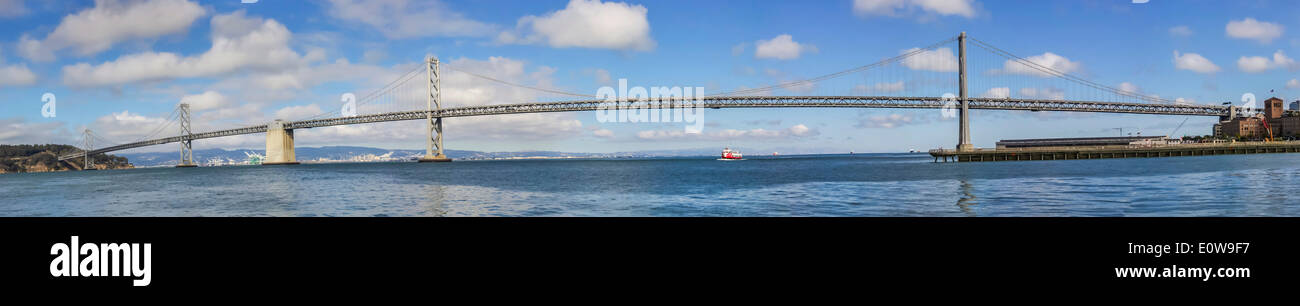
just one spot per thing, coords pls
(586, 24)
(877, 7)
(793, 132)
(1293, 84)
(1042, 93)
(1182, 31)
(997, 93)
(12, 8)
(398, 19)
(1129, 87)
(97, 29)
(603, 133)
(17, 130)
(207, 100)
(16, 75)
(1253, 64)
(298, 112)
(1194, 62)
(238, 43)
(964, 8)
(886, 122)
(1249, 28)
(127, 127)
(1256, 64)
(1184, 101)
(939, 59)
(1050, 60)
(782, 47)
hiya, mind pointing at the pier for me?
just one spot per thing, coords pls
(1121, 151)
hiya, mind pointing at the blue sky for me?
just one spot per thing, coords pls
(119, 67)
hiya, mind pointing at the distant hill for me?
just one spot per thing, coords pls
(44, 158)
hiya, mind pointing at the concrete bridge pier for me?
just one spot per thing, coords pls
(279, 145)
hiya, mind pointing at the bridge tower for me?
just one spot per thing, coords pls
(187, 151)
(433, 149)
(963, 142)
(87, 145)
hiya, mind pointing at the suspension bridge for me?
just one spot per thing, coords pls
(1043, 87)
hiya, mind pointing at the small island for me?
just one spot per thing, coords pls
(45, 158)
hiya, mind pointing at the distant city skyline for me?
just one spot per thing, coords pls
(120, 67)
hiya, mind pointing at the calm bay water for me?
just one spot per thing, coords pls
(825, 185)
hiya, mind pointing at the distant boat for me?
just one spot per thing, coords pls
(911, 151)
(728, 154)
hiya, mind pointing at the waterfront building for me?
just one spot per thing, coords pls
(1280, 124)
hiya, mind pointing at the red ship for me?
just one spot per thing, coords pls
(728, 154)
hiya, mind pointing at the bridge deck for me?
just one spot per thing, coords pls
(714, 103)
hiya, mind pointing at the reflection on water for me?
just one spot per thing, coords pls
(967, 199)
(858, 185)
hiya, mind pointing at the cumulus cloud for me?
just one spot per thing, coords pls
(298, 112)
(1194, 62)
(782, 47)
(1042, 93)
(1182, 31)
(1050, 60)
(1293, 84)
(125, 126)
(238, 43)
(1257, 64)
(16, 75)
(896, 8)
(1249, 28)
(586, 24)
(398, 19)
(997, 93)
(205, 101)
(603, 133)
(793, 132)
(110, 22)
(939, 59)
(17, 130)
